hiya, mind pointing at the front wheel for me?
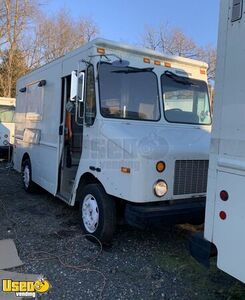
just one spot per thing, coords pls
(98, 213)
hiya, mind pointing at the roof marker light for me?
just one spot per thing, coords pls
(125, 170)
(146, 60)
(157, 62)
(167, 64)
(101, 50)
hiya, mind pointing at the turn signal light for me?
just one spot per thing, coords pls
(160, 166)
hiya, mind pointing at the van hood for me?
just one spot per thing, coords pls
(154, 141)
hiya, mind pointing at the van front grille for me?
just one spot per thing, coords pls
(190, 177)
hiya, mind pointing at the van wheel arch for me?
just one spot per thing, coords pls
(88, 178)
(85, 179)
(25, 157)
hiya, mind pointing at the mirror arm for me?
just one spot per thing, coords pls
(77, 112)
(82, 77)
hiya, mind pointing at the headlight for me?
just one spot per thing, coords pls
(160, 188)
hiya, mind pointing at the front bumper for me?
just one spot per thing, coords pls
(176, 212)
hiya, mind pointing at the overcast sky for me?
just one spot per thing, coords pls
(124, 20)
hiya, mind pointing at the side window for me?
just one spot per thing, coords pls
(90, 101)
(34, 102)
(6, 114)
(236, 10)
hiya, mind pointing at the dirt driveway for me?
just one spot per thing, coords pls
(140, 264)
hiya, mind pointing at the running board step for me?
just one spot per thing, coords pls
(64, 197)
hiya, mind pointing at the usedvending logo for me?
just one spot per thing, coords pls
(26, 288)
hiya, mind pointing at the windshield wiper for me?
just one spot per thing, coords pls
(179, 79)
(134, 70)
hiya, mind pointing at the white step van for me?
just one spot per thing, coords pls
(117, 128)
(225, 210)
(7, 126)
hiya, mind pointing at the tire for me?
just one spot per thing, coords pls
(98, 214)
(28, 184)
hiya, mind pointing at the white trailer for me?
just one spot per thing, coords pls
(225, 210)
(117, 128)
(7, 126)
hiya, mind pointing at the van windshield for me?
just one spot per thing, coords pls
(6, 114)
(185, 100)
(128, 93)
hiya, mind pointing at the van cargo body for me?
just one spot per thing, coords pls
(225, 208)
(225, 212)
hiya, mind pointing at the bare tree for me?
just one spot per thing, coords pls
(179, 44)
(59, 34)
(14, 18)
(174, 41)
(170, 41)
(16, 68)
(208, 54)
(29, 38)
(87, 29)
(152, 39)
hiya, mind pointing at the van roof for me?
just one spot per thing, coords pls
(145, 51)
(99, 42)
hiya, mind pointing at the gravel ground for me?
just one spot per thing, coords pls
(153, 264)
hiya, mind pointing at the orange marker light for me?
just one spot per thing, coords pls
(146, 60)
(160, 166)
(101, 50)
(157, 62)
(125, 170)
(203, 71)
(167, 64)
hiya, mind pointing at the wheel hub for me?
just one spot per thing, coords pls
(26, 176)
(90, 213)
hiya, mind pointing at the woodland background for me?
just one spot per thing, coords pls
(30, 37)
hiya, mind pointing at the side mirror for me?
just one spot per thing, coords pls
(74, 86)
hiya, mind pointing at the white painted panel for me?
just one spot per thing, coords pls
(229, 234)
